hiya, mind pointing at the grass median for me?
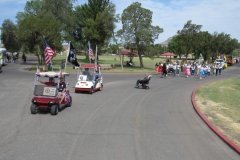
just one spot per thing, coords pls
(220, 103)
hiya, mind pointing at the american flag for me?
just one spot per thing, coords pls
(38, 70)
(91, 51)
(49, 52)
(60, 73)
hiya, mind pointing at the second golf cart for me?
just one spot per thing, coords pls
(87, 79)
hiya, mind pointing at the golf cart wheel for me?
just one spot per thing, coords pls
(54, 110)
(91, 90)
(101, 87)
(34, 109)
(147, 87)
(70, 103)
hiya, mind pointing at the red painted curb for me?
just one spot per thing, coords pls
(214, 129)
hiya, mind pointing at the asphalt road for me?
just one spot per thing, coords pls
(118, 123)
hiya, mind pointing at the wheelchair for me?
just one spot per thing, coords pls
(144, 84)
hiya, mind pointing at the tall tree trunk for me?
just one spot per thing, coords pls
(140, 60)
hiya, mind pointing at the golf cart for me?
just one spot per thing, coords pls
(86, 79)
(46, 95)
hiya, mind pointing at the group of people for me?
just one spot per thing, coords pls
(168, 68)
(12, 57)
(198, 68)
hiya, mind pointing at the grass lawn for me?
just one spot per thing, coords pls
(149, 64)
(220, 103)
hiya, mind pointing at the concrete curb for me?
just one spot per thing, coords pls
(32, 67)
(214, 129)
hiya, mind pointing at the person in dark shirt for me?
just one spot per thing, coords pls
(164, 70)
(142, 80)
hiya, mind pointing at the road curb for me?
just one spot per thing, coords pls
(214, 129)
(32, 67)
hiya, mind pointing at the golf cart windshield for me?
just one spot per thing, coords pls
(42, 90)
(86, 74)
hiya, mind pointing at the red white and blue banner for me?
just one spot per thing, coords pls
(49, 52)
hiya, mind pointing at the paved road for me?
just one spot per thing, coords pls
(118, 123)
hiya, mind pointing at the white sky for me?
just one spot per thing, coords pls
(171, 15)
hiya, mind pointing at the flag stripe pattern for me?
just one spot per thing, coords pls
(91, 51)
(49, 52)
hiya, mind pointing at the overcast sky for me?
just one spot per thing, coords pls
(171, 15)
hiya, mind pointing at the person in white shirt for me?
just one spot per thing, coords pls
(199, 66)
(188, 66)
(193, 69)
(220, 68)
(177, 68)
(174, 67)
(208, 69)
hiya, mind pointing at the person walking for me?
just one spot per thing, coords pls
(217, 69)
(214, 66)
(220, 68)
(174, 67)
(188, 66)
(24, 58)
(193, 69)
(198, 68)
(164, 68)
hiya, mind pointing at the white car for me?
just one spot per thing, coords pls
(87, 79)
(217, 61)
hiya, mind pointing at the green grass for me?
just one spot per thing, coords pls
(149, 64)
(227, 94)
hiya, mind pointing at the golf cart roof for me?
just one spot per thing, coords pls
(89, 66)
(52, 74)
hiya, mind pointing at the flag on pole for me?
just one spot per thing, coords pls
(60, 73)
(91, 51)
(72, 56)
(36, 77)
(38, 70)
(49, 52)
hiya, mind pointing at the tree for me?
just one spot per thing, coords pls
(137, 33)
(204, 40)
(176, 45)
(188, 35)
(95, 22)
(8, 36)
(46, 25)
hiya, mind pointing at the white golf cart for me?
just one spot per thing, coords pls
(87, 79)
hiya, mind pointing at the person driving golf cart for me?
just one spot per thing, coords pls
(49, 83)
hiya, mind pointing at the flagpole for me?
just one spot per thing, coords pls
(95, 64)
(51, 65)
(67, 56)
(89, 52)
(96, 57)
